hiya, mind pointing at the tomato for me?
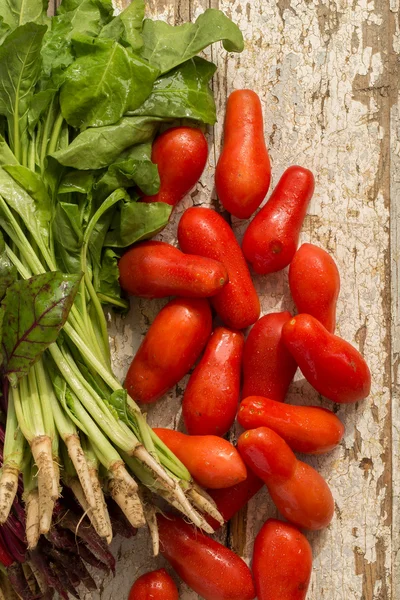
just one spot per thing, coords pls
(155, 585)
(268, 366)
(180, 154)
(230, 500)
(308, 429)
(243, 171)
(282, 562)
(211, 397)
(271, 239)
(211, 570)
(315, 283)
(213, 462)
(170, 348)
(298, 491)
(332, 366)
(157, 270)
(204, 232)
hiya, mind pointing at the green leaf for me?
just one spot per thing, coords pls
(87, 17)
(34, 185)
(167, 46)
(6, 156)
(38, 105)
(4, 30)
(19, 71)
(108, 287)
(183, 93)
(98, 147)
(77, 181)
(35, 215)
(68, 236)
(133, 167)
(103, 83)
(127, 26)
(138, 221)
(8, 273)
(35, 310)
(118, 400)
(19, 12)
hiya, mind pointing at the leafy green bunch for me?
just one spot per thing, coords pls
(82, 96)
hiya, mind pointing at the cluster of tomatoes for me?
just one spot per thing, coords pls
(211, 271)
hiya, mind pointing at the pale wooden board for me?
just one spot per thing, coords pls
(326, 71)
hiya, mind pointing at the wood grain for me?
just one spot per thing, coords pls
(327, 74)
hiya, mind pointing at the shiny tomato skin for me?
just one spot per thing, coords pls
(180, 154)
(333, 366)
(204, 232)
(243, 171)
(213, 461)
(211, 397)
(282, 562)
(271, 239)
(268, 366)
(155, 585)
(307, 429)
(209, 568)
(158, 270)
(170, 348)
(315, 284)
(230, 500)
(298, 491)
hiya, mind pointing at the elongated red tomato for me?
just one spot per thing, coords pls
(308, 429)
(271, 239)
(157, 270)
(211, 397)
(213, 462)
(204, 232)
(155, 585)
(268, 366)
(170, 348)
(315, 283)
(230, 500)
(332, 366)
(282, 562)
(211, 570)
(180, 154)
(298, 491)
(243, 171)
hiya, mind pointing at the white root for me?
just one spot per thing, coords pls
(162, 476)
(100, 510)
(124, 491)
(8, 490)
(150, 514)
(206, 504)
(32, 518)
(100, 522)
(47, 480)
(201, 522)
(78, 458)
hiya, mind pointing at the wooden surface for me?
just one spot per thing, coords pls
(327, 74)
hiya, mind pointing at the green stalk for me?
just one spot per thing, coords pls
(13, 457)
(55, 134)
(106, 205)
(31, 153)
(45, 136)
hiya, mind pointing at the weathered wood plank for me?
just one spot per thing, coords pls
(326, 72)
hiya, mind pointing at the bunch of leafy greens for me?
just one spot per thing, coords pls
(82, 96)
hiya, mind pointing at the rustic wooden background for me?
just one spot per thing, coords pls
(327, 73)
